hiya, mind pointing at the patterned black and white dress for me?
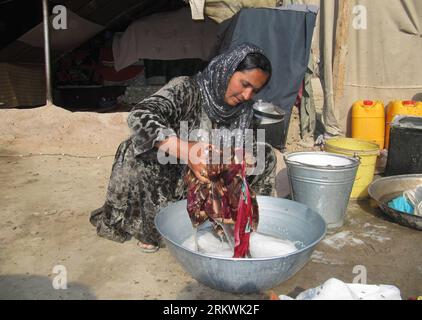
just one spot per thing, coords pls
(139, 185)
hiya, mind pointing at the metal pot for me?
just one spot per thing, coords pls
(386, 189)
(267, 113)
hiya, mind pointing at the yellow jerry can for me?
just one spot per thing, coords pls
(368, 121)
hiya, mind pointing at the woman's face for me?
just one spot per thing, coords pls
(243, 85)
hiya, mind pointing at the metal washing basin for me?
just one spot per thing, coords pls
(386, 189)
(279, 217)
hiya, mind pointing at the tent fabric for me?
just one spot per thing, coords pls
(383, 60)
(285, 35)
(29, 48)
(78, 31)
(22, 76)
(20, 52)
(307, 105)
(119, 14)
(222, 10)
(22, 85)
(197, 9)
(307, 111)
(330, 114)
(165, 36)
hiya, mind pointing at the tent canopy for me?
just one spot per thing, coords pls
(382, 53)
(21, 40)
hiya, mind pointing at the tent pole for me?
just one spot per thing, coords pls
(48, 94)
(341, 49)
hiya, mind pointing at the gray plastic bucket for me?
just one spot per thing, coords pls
(322, 181)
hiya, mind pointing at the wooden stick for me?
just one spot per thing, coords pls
(341, 49)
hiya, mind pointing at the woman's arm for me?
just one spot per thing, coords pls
(192, 153)
(155, 120)
(158, 116)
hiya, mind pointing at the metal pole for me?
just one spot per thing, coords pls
(49, 99)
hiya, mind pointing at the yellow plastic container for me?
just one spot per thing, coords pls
(367, 153)
(400, 107)
(368, 121)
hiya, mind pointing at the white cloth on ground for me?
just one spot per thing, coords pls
(334, 289)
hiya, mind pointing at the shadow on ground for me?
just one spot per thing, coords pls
(27, 287)
(196, 290)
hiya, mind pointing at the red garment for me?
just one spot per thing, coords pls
(243, 226)
(227, 199)
(299, 95)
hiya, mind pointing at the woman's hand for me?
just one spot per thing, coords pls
(194, 154)
(197, 160)
(242, 154)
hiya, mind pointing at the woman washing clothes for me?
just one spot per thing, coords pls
(220, 97)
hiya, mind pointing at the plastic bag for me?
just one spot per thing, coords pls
(334, 289)
(414, 197)
(401, 204)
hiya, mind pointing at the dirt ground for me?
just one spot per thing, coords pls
(54, 169)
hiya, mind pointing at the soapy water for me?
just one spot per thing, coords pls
(323, 160)
(260, 245)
